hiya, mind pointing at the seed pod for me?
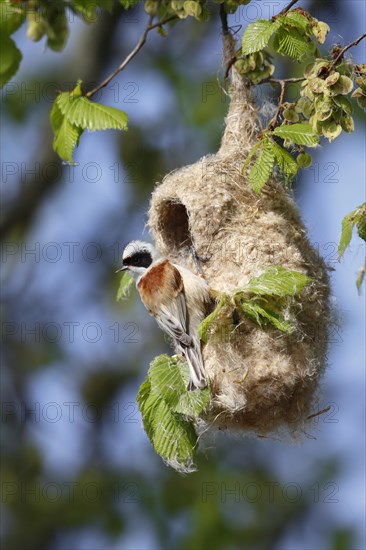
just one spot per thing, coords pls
(291, 115)
(343, 86)
(151, 7)
(331, 130)
(320, 31)
(347, 124)
(304, 160)
(332, 79)
(324, 108)
(192, 8)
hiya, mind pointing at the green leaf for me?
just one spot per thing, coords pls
(193, 403)
(174, 438)
(146, 405)
(85, 8)
(57, 27)
(91, 116)
(167, 410)
(250, 311)
(125, 285)
(262, 316)
(166, 379)
(348, 224)
(292, 43)
(73, 113)
(262, 168)
(257, 35)
(296, 19)
(207, 321)
(66, 136)
(277, 281)
(11, 17)
(251, 153)
(10, 59)
(275, 319)
(285, 161)
(301, 134)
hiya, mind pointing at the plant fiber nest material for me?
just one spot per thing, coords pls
(262, 381)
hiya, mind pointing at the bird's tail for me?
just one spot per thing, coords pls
(195, 362)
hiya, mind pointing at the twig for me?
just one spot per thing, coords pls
(273, 122)
(287, 8)
(150, 26)
(226, 30)
(229, 65)
(223, 17)
(343, 50)
(318, 413)
(285, 80)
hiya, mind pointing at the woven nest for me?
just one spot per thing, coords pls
(261, 381)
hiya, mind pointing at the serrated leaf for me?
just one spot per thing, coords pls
(275, 319)
(10, 59)
(193, 403)
(295, 19)
(251, 153)
(204, 326)
(348, 224)
(66, 136)
(262, 169)
(174, 438)
(257, 35)
(292, 43)
(146, 404)
(89, 115)
(263, 316)
(165, 406)
(301, 134)
(166, 379)
(125, 285)
(285, 160)
(250, 311)
(277, 281)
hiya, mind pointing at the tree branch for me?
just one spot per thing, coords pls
(343, 50)
(150, 26)
(285, 80)
(226, 30)
(287, 8)
(223, 17)
(273, 122)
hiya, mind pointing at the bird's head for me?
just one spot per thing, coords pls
(137, 258)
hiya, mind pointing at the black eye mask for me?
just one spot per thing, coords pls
(139, 259)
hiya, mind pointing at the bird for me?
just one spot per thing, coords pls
(177, 298)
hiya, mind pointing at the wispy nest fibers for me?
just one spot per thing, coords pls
(262, 381)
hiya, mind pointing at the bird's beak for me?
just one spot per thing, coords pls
(123, 268)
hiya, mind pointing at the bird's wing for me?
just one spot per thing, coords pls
(172, 319)
(162, 291)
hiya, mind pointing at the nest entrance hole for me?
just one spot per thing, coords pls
(174, 225)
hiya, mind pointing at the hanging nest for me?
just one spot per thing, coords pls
(261, 380)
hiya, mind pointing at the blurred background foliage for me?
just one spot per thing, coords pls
(77, 470)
